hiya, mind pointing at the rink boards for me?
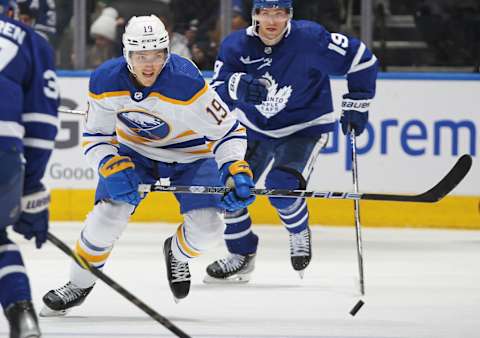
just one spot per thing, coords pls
(419, 125)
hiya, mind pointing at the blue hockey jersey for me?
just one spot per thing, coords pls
(46, 20)
(297, 71)
(29, 97)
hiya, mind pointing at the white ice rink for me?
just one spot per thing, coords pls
(419, 283)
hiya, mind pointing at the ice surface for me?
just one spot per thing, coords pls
(419, 283)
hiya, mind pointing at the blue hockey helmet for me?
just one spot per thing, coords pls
(261, 4)
(258, 4)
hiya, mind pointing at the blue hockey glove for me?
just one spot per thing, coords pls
(243, 87)
(237, 175)
(33, 220)
(119, 176)
(354, 113)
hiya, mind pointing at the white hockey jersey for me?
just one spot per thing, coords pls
(178, 119)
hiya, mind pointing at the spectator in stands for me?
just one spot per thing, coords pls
(197, 20)
(104, 31)
(178, 41)
(240, 15)
(191, 32)
(204, 54)
(204, 12)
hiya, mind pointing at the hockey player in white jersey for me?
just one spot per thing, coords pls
(288, 120)
(151, 115)
(29, 99)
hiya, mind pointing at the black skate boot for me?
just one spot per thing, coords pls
(23, 320)
(178, 273)
(232, 269)
(301, 250)
(57, 302)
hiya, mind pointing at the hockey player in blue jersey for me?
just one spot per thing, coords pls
(275, 75)
(152, 116)
(28, 126)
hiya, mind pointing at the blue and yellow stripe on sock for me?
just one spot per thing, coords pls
(185, 248)
(95, 258)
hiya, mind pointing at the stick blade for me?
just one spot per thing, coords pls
(439, 191)
(450, 181)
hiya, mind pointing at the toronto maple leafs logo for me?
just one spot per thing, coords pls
(276, 100)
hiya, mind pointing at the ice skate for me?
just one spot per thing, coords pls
(59, 301)
(22, 320)
(232, 269)
(301, 250)
(178, 273)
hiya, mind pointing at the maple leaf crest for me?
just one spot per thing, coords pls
(276, 100)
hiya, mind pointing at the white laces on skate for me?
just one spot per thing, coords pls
(300, 243)
(69, 293)
(180, 271)
(231, 263)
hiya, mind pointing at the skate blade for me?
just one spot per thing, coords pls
(301, 273)
(32, 334)
(235, 279)
(47, 312)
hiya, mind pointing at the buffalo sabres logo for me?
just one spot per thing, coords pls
(142, 127)
(277, 99)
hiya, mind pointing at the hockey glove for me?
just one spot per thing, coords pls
(33, 220)
(243, 87)
(237, 175)
(354, 113)
(120, 179)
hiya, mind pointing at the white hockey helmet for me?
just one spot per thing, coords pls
(144, 33)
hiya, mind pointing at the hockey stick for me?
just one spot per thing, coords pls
(356, 212)
(435, 194)
(117, 287)
(71, 111)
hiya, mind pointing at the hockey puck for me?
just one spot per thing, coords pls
(357, 307)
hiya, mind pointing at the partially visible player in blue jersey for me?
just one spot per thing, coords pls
(275, 75)
(28, 126)
(40, 14)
